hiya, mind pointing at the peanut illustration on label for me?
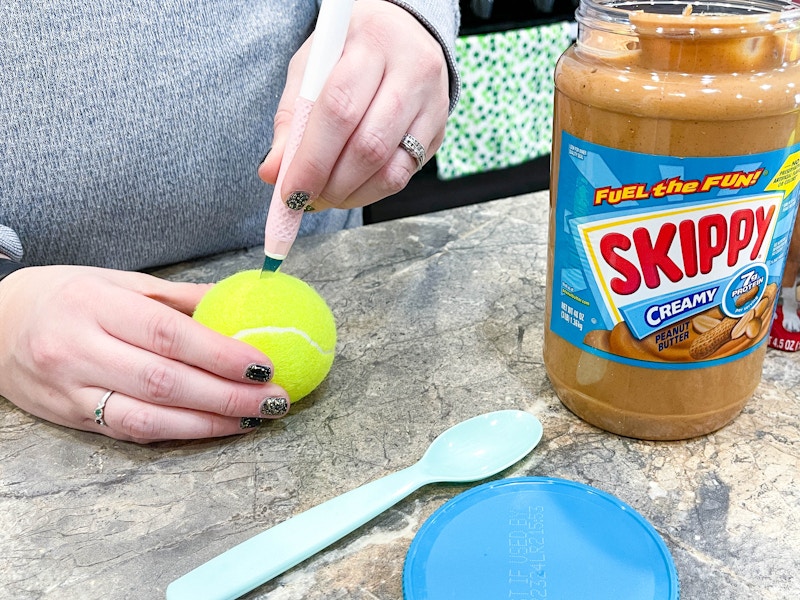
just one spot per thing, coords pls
(711, 341)
(746, 297)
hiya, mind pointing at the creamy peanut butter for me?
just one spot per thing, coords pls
(673, 194)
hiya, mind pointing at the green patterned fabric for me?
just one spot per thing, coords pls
(505, 113)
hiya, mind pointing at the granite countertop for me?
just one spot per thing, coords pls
(440, 319)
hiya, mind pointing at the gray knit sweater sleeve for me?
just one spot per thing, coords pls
(10, 245)
(131, 139)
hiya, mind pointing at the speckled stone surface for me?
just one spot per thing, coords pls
(440, 319)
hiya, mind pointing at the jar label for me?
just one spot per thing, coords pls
(669, 261)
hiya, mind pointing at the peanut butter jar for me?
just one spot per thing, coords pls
(674, 177)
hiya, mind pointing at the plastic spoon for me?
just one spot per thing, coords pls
(472, 450)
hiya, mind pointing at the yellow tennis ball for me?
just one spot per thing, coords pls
(280, 315)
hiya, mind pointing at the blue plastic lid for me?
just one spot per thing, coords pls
(538, 537)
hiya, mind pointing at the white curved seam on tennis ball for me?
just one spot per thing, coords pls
(272, 329)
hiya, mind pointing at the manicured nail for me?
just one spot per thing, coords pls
(274, 407)
(298, 200)
(250, 422)
(309, 208)
(260, 373)
(265, 156)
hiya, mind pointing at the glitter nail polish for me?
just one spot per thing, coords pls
(260, 373)
(274, 407)
(298, 200)
(250, 422)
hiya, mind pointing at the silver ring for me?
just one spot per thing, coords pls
(101, 406)
(413, 146)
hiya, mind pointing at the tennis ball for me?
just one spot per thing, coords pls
(280, 315)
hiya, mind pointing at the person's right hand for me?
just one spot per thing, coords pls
(68, 334)
(391, 80)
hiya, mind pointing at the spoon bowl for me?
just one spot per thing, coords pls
(481, 446)
(473, 449)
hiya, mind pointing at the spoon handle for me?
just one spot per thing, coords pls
(270, 553)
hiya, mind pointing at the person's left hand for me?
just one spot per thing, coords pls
(392, 79)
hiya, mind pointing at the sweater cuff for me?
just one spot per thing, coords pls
(10, 245)
(442, 18)
(7, 267)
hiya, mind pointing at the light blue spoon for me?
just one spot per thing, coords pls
(474, 449)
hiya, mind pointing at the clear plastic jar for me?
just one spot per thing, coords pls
(675, 166)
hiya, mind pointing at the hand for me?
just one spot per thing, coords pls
(68, 334)
(392, 79)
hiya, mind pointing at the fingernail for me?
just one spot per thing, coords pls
(266, 155)
(309, 208)
(298, 200)
(261, 373)
(250, 422)
(274, 407)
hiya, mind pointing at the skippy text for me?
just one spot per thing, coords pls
(685, 249)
